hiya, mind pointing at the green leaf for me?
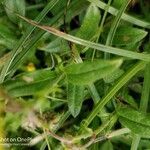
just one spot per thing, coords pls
(117, 3)
(7, 37)
(113, 90)
(136, 121)
(113, 76)
(75, 98)
(130, 100)
(60, 6)
(30, 83)
(14, 6)
(87, 72)
(126, 35)
(57, 45)
(89, 26)
(107, 146)
(90, 23)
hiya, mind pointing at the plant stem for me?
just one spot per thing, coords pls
(46, 139)
(115, 133)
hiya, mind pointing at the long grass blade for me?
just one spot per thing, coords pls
(103, 48)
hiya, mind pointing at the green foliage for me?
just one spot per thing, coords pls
(90, 23)
(107, 145)
(30, 83)
(137, 122)
(75, 74)
(56, 46)
(128, 35)
(75, 98)
(15, 6)
(87, 72)
(7, 37)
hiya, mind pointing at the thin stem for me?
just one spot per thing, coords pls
(46, 138)
(108, 136)
(56, 99)
(66, 141)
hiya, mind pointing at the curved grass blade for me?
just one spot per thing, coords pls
(73, 11)
(101, 47)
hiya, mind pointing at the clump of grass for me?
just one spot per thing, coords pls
(74, 74)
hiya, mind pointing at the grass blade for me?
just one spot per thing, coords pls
(103, 48)
(125, 17)
(19, 46)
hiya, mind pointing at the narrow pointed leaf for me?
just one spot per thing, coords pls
(103, 48)
(75, 98)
